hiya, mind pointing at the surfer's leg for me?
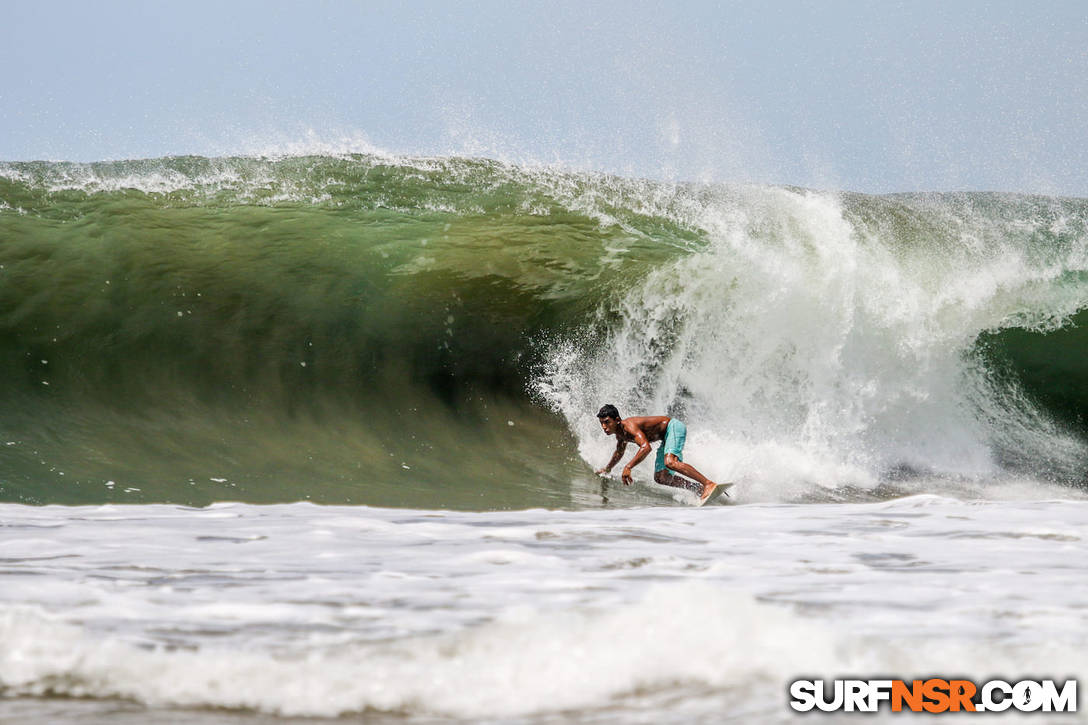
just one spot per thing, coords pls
(674, 464)
(668, 458)
(673, 449)
(666, 478)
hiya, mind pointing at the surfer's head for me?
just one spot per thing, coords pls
(609, 417)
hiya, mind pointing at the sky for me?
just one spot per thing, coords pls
(866, 96)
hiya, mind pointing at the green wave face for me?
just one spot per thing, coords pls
(1049, 365)
(438, 332)
(333, 329)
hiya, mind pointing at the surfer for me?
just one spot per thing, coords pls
(643, 431)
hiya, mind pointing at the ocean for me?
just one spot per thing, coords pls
(304, 438)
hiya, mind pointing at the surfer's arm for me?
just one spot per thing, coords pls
(621, 445)
(643, 451)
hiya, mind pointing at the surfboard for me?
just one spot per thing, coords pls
(715, 494)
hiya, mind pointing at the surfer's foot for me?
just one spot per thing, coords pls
(708, 488)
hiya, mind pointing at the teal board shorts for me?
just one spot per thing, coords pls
(675, 435)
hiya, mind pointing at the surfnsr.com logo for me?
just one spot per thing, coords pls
(933, 695)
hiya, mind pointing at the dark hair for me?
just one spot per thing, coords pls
(608, 411)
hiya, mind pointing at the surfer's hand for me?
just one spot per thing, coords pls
(602, 471)
(626, 476)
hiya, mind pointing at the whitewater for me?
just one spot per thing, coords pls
(309, 437)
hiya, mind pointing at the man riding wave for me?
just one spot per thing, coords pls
(670, 460)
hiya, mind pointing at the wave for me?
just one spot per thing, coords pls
(428, 676)
(522, 663)
(438, 332)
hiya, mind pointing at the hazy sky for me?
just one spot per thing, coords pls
(871, 96)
